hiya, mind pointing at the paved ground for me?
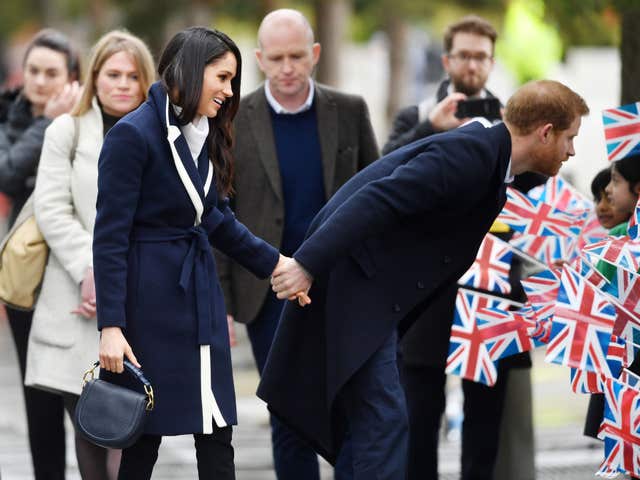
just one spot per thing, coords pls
(561, 451)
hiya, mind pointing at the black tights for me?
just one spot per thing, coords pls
(94, 462)
(45, 411)
(214, 454)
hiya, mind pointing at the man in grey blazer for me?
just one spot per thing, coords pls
(296, 143)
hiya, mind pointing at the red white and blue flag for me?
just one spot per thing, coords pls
(592, 231)
(590, 273)
(533, 217)
(560, 194)
(618, 359)
(582, 325)
(490, 270)
(546, 249)
(542, 288)
(620, 429)
(505, 332)
(469, 346)
(620, 251)
(584, 381)
(622, 131)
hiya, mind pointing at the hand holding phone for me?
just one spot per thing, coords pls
(488, 108)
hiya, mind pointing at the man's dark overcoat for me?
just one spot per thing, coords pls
(379, 252)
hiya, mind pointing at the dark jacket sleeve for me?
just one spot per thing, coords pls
(236, 241)
(406, 129)
(430, 181)
(19, 160)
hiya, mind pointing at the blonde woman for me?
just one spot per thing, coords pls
(63, 340)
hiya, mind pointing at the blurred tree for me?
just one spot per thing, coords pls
(629, 52)
(528, 46)
(582, 21)
(332, 19)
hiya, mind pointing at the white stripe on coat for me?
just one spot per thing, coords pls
(208, 401)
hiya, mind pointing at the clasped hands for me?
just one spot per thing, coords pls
(291, 281)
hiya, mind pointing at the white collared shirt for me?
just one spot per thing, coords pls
(280, 109)
(195, 133)
(508, 178)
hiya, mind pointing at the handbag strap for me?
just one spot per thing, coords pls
(133, 370)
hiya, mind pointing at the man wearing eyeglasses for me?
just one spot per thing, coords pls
(468, 61)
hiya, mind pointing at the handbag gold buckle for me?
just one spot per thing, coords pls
(148, 389)
(89, 373)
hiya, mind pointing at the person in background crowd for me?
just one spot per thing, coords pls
(297, 142)
(468, 60)
(614, 207)
(51, 73)
(608, 216)
(164, 175)
(64, 339)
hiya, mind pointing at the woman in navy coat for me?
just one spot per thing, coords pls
(163, 177)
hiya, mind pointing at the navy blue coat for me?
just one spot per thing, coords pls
(379, 251)
(157, 217)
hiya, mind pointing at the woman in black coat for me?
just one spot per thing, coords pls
(51, 72)
(164, 174)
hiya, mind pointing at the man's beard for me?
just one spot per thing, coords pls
(469, 90)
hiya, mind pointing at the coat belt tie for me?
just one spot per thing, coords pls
(199, 262)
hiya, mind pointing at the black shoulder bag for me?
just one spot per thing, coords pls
(110, 415)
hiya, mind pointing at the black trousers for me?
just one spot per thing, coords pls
(425, 392)
(214, 455)
(45, 410)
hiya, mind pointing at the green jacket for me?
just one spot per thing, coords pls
(608, 269)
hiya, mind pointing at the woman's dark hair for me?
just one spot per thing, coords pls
(600, 182)
(181, 69)
(59, 42)
(629, 169)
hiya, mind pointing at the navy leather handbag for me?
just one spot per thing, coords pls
(110, 415)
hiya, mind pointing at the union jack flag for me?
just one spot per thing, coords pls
(490, 270)
(582, 325)
(560, 194)
(504, 332)
(626, 290)
(543, 286)
(620, 251)
(468, 353)
(622, 131)
(533, 217)
(620, 428)
(629, 378)
(546, 249)
(542, 332)
(592, 231)
(589, 272)
(538, 316)
(585, 382)
(618, 358)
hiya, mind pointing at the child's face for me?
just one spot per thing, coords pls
(622, 199)
(608, 216)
